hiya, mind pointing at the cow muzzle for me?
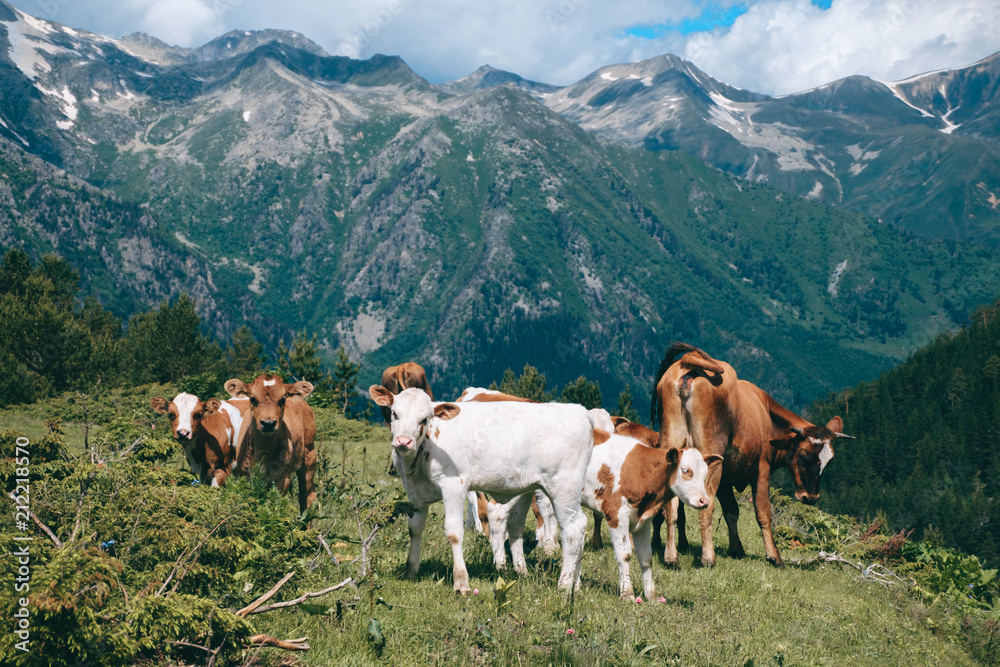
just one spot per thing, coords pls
(806, 497)
(700, 503)
(404, 442)
(183, 434)
(268, 425)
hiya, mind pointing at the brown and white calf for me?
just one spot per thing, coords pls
(206, 430)
(701, 403)
(506, 449)
(648, 437)
(629, 483)
(278, 434)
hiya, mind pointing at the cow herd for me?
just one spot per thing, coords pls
(490, 457)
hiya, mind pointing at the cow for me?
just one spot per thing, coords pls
(628, 483)
(648, 437)
(278, 433)
(206, 430)
(405, 375)
(703, 403)
(444, 450)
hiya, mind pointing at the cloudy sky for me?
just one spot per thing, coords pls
(770, 46)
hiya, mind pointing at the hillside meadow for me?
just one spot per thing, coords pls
(151, 569)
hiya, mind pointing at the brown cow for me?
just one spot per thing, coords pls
(404, 376)
(279, 433)
(702, 403)
(206, 430)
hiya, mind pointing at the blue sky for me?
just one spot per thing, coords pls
(770, 46)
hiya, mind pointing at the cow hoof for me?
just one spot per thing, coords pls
(672, 565)
(736, 553)
(776, 562)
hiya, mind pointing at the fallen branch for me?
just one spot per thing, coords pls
(874, 572)
(302, 598)
(289, 644)
(249, 609)
(46, 529)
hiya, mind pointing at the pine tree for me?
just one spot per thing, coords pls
(345, 379)
(244, 355)
(583, 392)
(531, 385)
(624, 407)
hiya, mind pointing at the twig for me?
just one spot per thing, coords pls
(242, 613)
(181, 561)
(289, 645)
(303, 598)
(874, 572)
(46, 529)
(214, 653)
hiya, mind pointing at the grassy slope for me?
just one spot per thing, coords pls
(739, 613)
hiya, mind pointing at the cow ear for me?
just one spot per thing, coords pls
(618, 421)
(834, 426)
(212, 405)
(300, 388)
(786, 441)
(600, 437)
(673, 456)
(713, 458)
(380, 395)
(446, 411)
(160, 405)
(236, 387)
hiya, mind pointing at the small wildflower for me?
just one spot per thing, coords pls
(662, 599)
(475, 591)
(571, 631)
(638, 599)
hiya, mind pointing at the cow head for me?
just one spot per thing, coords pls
(687, 481)
(410, 413)
(267, 394)
(185, 413)
(809, 450)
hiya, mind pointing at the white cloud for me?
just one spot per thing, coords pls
(777, 46)
(784, 46)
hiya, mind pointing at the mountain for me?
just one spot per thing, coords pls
(490, 77)
(474, 230)
(922, 154)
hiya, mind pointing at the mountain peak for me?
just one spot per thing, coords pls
(488, 76)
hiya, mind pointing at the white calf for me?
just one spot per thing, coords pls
(444, 450)
(629, 483)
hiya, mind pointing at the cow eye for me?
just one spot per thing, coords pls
(423, 422)
(394, 415)
(171, 416)
(281, 402)
(685, 471)
(197, 416)
(254, 402)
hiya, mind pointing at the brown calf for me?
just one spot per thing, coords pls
(700, 402)
(278, 433)
(405, 375)
(205, 430)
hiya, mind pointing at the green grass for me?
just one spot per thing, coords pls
(742, 612)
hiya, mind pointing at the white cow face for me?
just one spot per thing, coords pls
(411, 412)
(688, 482)
(185, 413)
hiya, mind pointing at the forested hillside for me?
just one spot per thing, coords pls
(927, 455)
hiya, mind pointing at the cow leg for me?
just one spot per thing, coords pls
(681, 528)
(483, 508)
(674, 525)
(454, 510)
(515, 530)
(573, 527)
(595, 540)
(762, 506)
(731, 511)
(416, 526)
(498, 516)
(644, 553)
(548, 531)
(219, 476)
(472, 521)
(622, 544)
(307, 490)
(707, 546)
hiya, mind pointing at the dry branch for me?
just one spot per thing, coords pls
(249, 609)
(874, 572)
(302, 598)
(181, 561)
(289, 645)
(46, 529)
